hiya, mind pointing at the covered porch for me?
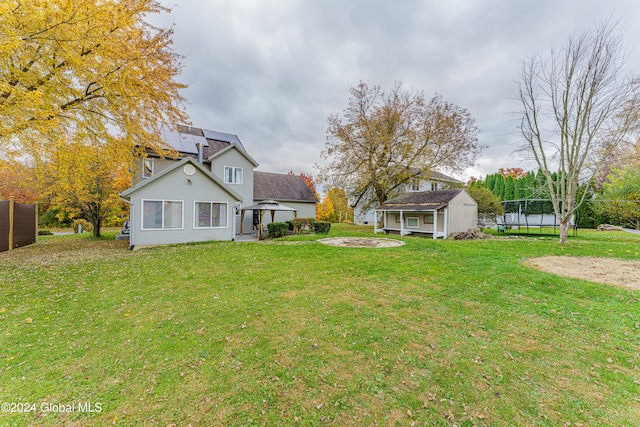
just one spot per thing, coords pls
(412, 221)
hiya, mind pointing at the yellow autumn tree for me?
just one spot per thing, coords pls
(94, 65)
(86, 178)
(324, 210)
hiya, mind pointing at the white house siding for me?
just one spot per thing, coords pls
(235, 158)
(463, 213)
(175, 187)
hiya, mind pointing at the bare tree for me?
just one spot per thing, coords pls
(382, 140)
(578, 105)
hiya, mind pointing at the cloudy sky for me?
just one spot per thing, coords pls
(272, 71)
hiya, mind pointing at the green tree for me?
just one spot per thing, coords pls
(509, 188)
(340, 202)
(621, 196)
(489, 205)
(498, 188)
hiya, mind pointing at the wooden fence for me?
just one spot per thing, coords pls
(18, 224)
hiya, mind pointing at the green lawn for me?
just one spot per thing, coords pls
(292, 332)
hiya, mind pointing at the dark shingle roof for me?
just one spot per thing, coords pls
(281, 187)
(183, 139)
(435, 176)
(422, 200)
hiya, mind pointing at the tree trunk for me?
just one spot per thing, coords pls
(96, 228)
(564, 231)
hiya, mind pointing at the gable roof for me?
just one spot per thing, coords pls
(421, 200)
(281, 187)
(231, 147)
(129, 191)
(184, 138)
(434, 175)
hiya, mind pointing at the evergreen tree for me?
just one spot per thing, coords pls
(498, 188)
(509, 189)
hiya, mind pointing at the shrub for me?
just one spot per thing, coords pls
(86, 225)
(321, 227)
(277, 229)
(44, 232)
(301, 224)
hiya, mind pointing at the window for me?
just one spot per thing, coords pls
(428, 218)
(147, 167)
(413, 222)
(161, 214)
(415, 185)
(210, 215)
(232, 175)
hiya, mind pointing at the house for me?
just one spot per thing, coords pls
(199, 196)
(435, 213)
(433, 182)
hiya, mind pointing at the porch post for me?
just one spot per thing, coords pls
(401, 223)
(241, 220)
(435, 224)
(446, 218)
(375, 222)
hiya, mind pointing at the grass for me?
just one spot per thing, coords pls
(293, 332)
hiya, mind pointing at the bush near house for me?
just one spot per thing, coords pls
(321, 227)
(301, 224)
(277, 229)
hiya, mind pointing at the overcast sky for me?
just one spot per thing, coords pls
(272, 71)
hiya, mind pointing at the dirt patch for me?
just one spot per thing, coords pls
(600, 270)
(361, 242)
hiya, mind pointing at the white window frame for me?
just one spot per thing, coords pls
(234, 172)
(195, 214)
(417, 219)
(163, 228)
(152, 163)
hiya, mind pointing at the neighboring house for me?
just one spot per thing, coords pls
(433, 182)
(199, 195)
(435, 213)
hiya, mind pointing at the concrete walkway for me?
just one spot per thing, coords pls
(631, 230)
(245, 238)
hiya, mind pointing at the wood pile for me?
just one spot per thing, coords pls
(608, 227)
(470, 234)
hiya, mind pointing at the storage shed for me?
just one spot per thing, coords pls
(435, 213)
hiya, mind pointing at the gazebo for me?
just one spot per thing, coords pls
(262, 207)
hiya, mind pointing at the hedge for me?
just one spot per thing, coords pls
(277, 229)
(321, 227)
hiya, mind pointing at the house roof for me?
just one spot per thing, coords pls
(421, 200)
(129, 191)
(231, 147)
(281, 187)
(184, 139)
(436, 176)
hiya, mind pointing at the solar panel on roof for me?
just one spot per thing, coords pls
(221, 136)
(184, 143)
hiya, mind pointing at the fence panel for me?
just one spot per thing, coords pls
(24, 225)
(25, 228)
(4, 226)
